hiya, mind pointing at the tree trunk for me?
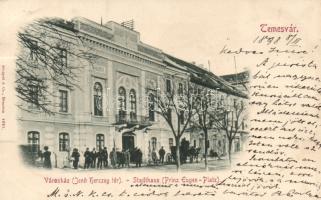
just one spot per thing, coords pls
(229, 150)
(178, 157)
(206, 149)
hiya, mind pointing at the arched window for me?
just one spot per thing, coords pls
(154, 143)
(100, 141)
(122, 103)
(64, 141)
(34, 141)
(132, 100)
(151, 107)
(98, 99)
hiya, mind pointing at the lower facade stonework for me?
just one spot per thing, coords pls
(62, 138)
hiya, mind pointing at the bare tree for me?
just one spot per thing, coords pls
(204, 120)
(230, 119)
(181, 100)
(51, 54)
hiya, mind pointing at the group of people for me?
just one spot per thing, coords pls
(99, 159)
(161, 154)
(93, 158)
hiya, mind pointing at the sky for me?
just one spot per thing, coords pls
(185, 29)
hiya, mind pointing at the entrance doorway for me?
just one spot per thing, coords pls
(128, 141)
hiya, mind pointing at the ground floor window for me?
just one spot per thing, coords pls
(100, 141)
(34, 141)
(64, 141)
(170, 142)
(154, 143)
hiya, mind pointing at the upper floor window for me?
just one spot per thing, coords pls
(221, 101)
(199, 91)
(151, 107)
(169, 114)
(132, 99)
(98, 99)
(63, 97)
(122, 103)
(180, 89)
(64, 141)
(168, 85)
(122, 99)
(181, 117)
(34, 141)
(62, 53)
(209, 97)
(33, 96)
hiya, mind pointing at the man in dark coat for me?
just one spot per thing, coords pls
(139, 158)
(46, 155)
(127, 157)
(87, 156)
(105, 157)
(161, 153)
(75, 156)
(100, 159)
(113, 158)
(184, 150)
(93, 157)
(120, 158)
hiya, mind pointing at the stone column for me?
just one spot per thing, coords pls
(111, 95)
(141, 104)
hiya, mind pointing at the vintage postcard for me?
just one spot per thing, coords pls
(151, 99)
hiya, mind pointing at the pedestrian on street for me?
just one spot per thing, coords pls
(161, 153)
(113, 158)
(127, 157)
(139, 158)
(120, 159)
(105, 157)
(100, 159)
(93, 157)
(75, 158)
(46, 155)
(88, 157)
(154, 157)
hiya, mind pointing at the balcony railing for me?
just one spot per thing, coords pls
(132, 119)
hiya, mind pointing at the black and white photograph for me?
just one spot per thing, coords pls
(93, 96)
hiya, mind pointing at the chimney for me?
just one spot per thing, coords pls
(128, 24)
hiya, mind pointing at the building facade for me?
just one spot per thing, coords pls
(112, 103)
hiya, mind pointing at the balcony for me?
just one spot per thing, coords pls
(132, 119)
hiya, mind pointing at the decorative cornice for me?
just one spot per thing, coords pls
(122, 51)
